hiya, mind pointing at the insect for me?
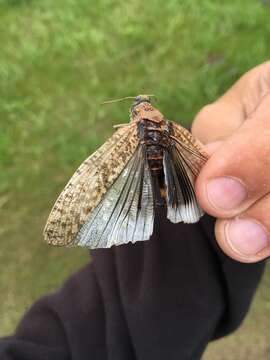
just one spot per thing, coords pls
(111, 198)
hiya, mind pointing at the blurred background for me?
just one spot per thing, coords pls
(58, 61)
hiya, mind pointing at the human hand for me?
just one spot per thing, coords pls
(234, 185)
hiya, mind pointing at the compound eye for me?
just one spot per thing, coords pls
(138, 98)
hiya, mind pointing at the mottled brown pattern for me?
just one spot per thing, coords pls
(146, 111)
(191, 148)
(98, 173)
(88, 185)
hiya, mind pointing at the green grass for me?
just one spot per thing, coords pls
(58, 61)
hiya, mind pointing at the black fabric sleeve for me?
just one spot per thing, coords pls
(239, 282)
(40, 336)
(161, 299)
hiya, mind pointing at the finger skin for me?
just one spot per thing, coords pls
(240, 121)
(217, 121)
(222, 118)
(259, 212)
(244, 156)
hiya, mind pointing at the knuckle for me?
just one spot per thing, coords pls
(202, 117)
(205, 112)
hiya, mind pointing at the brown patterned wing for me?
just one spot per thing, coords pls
(182, 163)
(190, 147)
(126, 212)
(89, 185)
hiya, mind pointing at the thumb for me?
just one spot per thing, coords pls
(234, 184)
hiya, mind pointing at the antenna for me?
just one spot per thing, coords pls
(116, 100)
(126, 98)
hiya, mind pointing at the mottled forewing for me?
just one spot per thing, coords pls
(189, 147)
(182, 163)
(88, 186)
(126, 213)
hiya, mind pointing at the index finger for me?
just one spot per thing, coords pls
(222, 118)
(237, 174)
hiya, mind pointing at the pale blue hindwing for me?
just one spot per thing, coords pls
(182, 205)
(126, 213)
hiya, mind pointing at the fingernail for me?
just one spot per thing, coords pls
(246, 236)
(225, 193)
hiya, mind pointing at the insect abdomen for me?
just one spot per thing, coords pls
(155, 136)
(155, 157)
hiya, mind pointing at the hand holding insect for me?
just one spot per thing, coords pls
(234, 185)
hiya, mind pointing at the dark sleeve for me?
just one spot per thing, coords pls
(163, 298)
